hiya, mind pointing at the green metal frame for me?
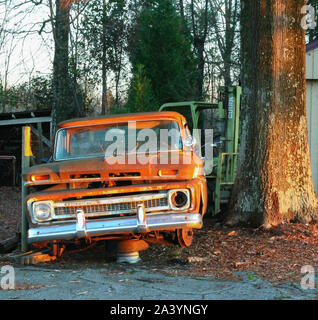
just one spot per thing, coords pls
(224, 172)
(196, 107)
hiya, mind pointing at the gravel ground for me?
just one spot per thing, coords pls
(118, 282)
(88, 275)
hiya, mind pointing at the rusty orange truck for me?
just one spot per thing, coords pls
(120, 177)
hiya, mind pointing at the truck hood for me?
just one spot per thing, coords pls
(179, 165)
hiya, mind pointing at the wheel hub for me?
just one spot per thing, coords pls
(185, 237)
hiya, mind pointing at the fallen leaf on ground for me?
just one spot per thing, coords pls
(195, 259)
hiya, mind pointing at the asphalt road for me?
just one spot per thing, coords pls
(111, 281)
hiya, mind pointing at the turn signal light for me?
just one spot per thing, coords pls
(40, 177)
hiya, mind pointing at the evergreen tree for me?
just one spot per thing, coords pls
(141, 97)
(166, 54)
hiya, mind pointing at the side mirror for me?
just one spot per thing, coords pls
(190, 142)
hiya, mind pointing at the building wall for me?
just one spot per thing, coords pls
(312, 118)
(312, 110)
(312, 65)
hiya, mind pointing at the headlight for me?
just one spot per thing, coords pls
(42, 211)
(179, 199)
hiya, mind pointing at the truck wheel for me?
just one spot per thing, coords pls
(185, 237)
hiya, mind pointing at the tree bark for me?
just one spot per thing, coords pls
(273, 182)
(199, 45)
(181, 6)
(61, 82)
(104, 61)
(226, 43)
(118, 74)
(199, 39)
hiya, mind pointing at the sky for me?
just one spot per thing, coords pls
(31, 53)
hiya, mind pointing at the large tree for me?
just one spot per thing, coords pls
(199, 19)
(66, 93)
(273, 182)
(162, 47)
(61, 82)
(225, 18)
(104, 31)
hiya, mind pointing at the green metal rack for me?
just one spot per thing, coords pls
(224, 163)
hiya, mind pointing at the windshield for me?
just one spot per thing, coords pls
(117, 138)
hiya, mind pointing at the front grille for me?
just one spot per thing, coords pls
(93, 208)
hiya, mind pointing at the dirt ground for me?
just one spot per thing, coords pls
(275, 255)
(10, 211)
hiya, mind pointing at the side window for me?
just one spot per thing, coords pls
(61, 144)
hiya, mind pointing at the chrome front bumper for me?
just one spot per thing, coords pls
(133, 224)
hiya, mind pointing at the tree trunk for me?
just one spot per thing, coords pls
(199, 45)
(104, 87)
(181, 6)
(118, 73)
(227, 72)
(199, 39)
(104, 57)
(61, 83)
(61, 86)
(226, 43)
(273, 182)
